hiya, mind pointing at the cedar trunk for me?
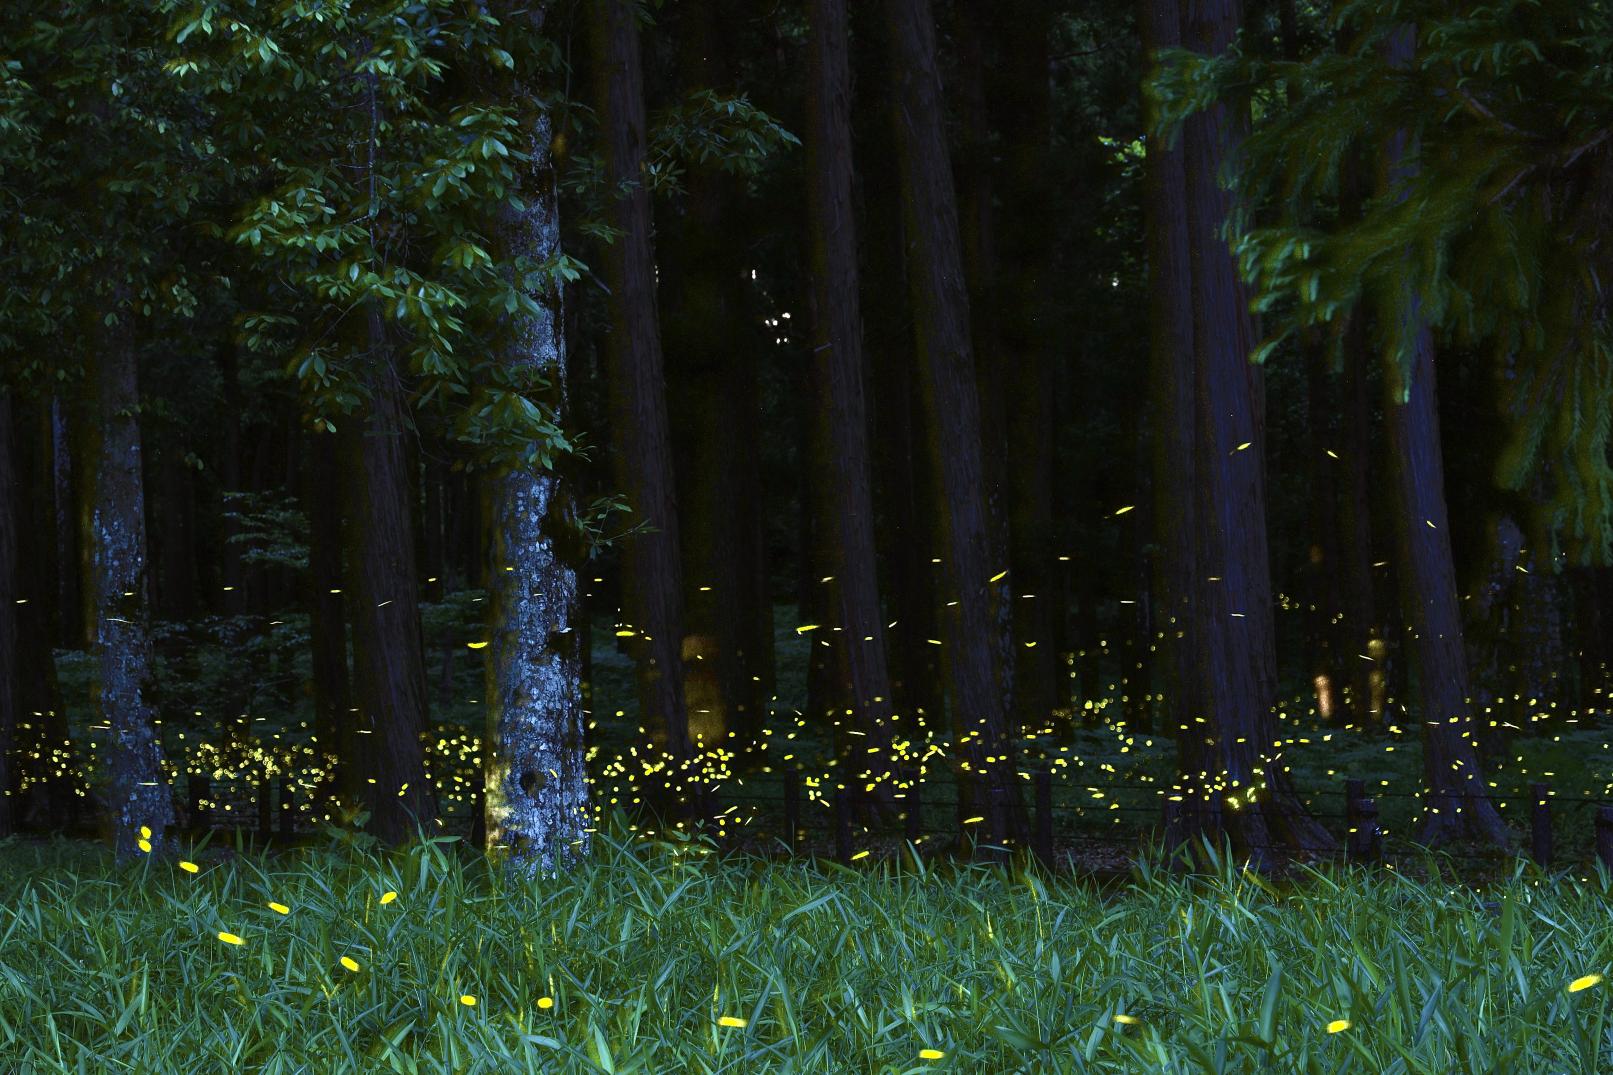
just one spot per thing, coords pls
(652, 572)
(970, 569)
(389, 677)
(1458, 803)
(841, 470)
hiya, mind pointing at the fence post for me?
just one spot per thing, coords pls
(1044, 817)
(201, 816)
(288, 810)
(842, 808)
(1365, 841)
(1540, 824)
(1604, 836)
(792, 807)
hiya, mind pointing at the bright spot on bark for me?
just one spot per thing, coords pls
(729, 1020)
(1583, 983)
(230, 938)
(350, 963)
(1337, 1025)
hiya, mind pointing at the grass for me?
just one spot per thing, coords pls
(660, 957)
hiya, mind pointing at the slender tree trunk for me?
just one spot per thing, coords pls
(334, 726)
(12, 692)
(118, 599)
(971, 569)
(652, 572)
(537, 783)
(1458, 803)
(389, 677)
(841, 470)
(65, 485)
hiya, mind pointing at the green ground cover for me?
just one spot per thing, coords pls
(661, 958)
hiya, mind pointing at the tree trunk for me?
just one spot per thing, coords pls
(537, 783)
(117, 603)
(1264, 814)
(334, 727)
(1024, 298)
(1458, 803)
(972, 570)
(840, 460)
(12, 692)
(652, 573)
(389, 677)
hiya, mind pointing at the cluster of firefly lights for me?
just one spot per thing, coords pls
(626, 777)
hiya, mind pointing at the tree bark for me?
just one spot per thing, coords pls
(840, 468)
(1237, 647)
(389, 677)
(537, 783)
(118, 601)
(1457, 803)
(652, 572)
(335, 730)
(971, 569)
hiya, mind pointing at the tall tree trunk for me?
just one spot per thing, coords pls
(118, 599)
(1175, 459)
(537, 783)
(1024, 116)
(65, 485)
(971, 568)
(841, 471)
(334, 726)
(652, 572)
(12, 692)
(389, 676)
(977, 233)
(1458, 803)
(1235, 628)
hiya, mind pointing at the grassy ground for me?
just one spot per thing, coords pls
(658, 958)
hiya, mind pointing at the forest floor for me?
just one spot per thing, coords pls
(657, 957)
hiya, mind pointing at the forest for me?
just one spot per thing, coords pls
(582, 434)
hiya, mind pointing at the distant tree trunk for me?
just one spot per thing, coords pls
(334, 726)
(709, 337)
(652, 573)
(840, 460)
(389, 676)
(12, 692)
(1175, 460)
(1024, 298)
(1235, 629)
(978, 235)
(230, 599)
(65, 485)
(118, 600)
(972, 583)
(537, 783)
(1458, 803)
